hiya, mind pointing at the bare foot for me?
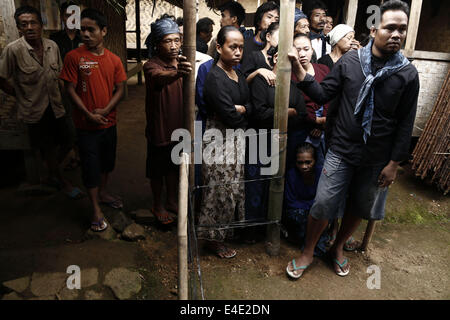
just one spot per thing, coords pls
(162, 215)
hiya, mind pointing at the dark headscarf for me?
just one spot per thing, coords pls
(299, 15)
(159, 29)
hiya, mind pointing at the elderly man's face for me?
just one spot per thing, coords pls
(302, 26)
(169, 47)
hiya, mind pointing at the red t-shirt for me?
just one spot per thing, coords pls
(94, 78)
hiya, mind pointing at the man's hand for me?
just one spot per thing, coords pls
(97, 118)
(268, 75)
(388, 174)
(355, 45)
(297, 68)
(184, 67)
(321, 120)
(101, 111)
(292, 112)
(241, 109)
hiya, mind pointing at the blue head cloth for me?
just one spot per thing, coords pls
(299, 15)
(159, 29)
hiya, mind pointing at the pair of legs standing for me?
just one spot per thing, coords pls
(366, 200)
(160, 168)
(98, 154)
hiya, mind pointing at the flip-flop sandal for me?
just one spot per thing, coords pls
(99, 226)
(115, 204)
(161, 219)
(75, 194)
(351, 244)
(292, 274)
(341, 266)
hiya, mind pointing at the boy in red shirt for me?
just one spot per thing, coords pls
(91, 74)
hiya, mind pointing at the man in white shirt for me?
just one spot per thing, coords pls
(317, 13)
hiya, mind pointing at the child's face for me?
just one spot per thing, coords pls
(305, 162)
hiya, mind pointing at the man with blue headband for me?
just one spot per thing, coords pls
(164, 112)
(377, 90)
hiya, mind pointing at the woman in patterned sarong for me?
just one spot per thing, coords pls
(226, 96)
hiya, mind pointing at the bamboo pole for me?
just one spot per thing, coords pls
(287, 10)
(182, 229)
(189, 44)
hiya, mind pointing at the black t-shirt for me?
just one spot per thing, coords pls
(255, 61)
(65, 44)
(251, 45)
(263, 100)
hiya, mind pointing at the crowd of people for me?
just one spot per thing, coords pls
(350, 117)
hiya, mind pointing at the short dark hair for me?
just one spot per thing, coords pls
(204, 24)
(27, 9)
(262, 9)
(306, 148)
(394, 5)
(179, 21)
(316, 4)
(95, 15)
(235, 9)
(302, 35)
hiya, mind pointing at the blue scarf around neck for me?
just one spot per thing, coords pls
(366, 95)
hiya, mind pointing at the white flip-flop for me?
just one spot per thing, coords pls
(292, 274)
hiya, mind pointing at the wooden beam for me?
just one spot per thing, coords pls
(428, 55)
(7, 9)
(351, 9)
(413, 26)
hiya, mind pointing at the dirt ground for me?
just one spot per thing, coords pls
(46, 234)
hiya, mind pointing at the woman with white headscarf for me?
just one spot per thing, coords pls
(342, 40)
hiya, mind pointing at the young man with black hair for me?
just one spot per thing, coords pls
(265, 14)
(94, 79)
(33, 64)
(204, 34)
(378, 90)
(232, 14)
(317, 13)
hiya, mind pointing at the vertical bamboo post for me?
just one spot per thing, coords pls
(189, 34)
(287, 10)
(138, 38)
(182, 229)
(368, 234)
(350, 11)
